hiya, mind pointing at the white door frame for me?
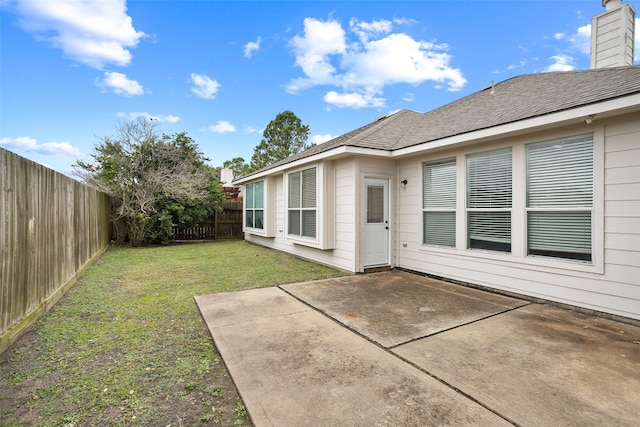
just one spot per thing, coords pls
(377, 242)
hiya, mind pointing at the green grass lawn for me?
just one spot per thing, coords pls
(127, 345)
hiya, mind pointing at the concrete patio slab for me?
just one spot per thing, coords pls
(540, 365)
(485, 360)
(294, 366)
(393, 308)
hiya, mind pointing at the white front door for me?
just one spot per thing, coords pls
(376, 229)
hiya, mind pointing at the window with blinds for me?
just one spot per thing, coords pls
(254, 205)
(302, 203)
(489, 191)
(439, 202)
(560, 198)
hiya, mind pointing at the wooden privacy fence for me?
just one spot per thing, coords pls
(223, 225)
(51, 227)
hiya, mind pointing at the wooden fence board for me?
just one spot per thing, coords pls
(51, 226)
(223, 225)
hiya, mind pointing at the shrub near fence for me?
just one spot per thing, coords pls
(51, 227)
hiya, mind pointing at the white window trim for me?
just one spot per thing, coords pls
(424, 209)
(253, 209)
(518, 253)
(540, 205)
(325, 218)
(269, 195)
(489, 210)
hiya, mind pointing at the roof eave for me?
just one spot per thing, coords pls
(576, 115)
(334, 153)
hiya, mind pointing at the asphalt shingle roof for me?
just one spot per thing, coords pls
(519, 98)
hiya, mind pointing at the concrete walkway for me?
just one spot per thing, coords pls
(397, 349)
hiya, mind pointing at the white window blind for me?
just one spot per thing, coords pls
(489, 195)
(560, 198)
(302, 203)
(439, 202)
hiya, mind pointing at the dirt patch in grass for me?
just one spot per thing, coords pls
(127, 345)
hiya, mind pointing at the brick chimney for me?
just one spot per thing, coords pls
(612, 34)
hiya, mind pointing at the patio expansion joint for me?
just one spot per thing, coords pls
(454, 388)
(389, 350)
(505, 311)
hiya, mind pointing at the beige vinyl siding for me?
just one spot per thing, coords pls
(611, 284)
(345, 212)
(622, 203)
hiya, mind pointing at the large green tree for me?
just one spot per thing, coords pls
(284, 136)
(155, 181)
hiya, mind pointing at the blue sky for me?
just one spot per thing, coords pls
(70, 71)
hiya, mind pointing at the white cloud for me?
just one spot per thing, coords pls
(161, 118)
(404, 21)
(398, 58)
(558, 36)
(27, 144)
(251, 130)
(321, 39)
(408, 97)
(520, 64)
(363, 66)
(366, 30)
(92, 32)
(580, 41)
(204, 86)
(222, 126)
(251, 47)
(561, 63)
(353, 100)
(319, 139)
(121, 85)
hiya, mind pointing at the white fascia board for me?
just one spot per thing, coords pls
(334, 153)
(600, 110)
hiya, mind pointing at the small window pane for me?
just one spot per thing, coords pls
(490, 231)
(294, 222)
(249, 218)
(294, 190)
(489, 179)
(259, 219)
(249, 196)
(375, 204)
(309, 223)
(440, 228)
(560, 234)
(439, 185)
(259, 195)
(560, 173)
(309, 188)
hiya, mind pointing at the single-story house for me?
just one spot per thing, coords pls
(529, 186)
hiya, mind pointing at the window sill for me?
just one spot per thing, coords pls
(537, 263)
(309, 242)
(257, 232)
